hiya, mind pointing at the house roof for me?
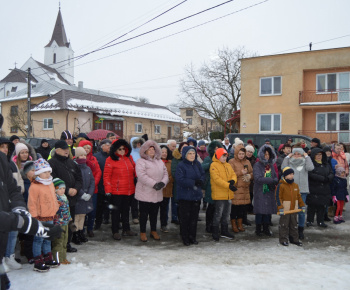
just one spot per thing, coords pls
(17, 76)
(59, 33)
(88, 102)
(53, 71)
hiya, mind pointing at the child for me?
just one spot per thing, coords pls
(222, 179)
(84, 203)
(42, 205)
(340, 194)
(62, 218)
(288, 198)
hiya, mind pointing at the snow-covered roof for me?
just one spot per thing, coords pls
(49, 88)
(82, 101)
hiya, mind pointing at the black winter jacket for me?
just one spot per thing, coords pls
(101, 159)
(319, 180)
(67, 170)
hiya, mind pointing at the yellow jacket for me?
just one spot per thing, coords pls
(220, 174)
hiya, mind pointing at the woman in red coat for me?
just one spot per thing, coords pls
(118, 179)
(92, 162)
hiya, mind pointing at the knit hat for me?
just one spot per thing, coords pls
(250, 141)
(58, 183)
(339, 170)
(238, 141)
(66, 134)
(316, 140)
(14, 137)
(219, 152)
(267, 140)
(201, 143)
(28, 166)
(41, 165)
(20, 147)
(181, 145)
(286, 171)
(61, 144)
(79, 151)
(249, 148)
(43, 141)
(299, 150)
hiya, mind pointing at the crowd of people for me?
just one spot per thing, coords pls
(78, 187)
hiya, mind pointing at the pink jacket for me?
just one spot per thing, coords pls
(149, 172)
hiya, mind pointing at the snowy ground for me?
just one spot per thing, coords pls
(247, 262)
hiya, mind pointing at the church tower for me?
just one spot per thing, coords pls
(59, 53)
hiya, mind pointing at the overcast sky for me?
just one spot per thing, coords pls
(154, 70)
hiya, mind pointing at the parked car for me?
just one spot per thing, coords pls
(36, 142)
(275, 139)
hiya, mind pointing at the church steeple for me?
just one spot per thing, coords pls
(59, 33)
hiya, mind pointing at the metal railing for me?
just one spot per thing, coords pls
(328, 136)
(309, 96)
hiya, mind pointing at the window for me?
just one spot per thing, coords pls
(48, 124)
(14, 129)
(189, 121)
(332, 121)
(13, 89)
(54, 58)
(118, 126)
(97, 126)
(202, 122)
(326, 82)
(138, 128)
(110, 126)
(271, 86)
(14, 110)
(157, 129)
(177, 129)
(189, 112)
(270, 123)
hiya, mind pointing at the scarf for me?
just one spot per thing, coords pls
(268, 173)
(44, 181)
(297, 163)
(80, 161)
(164, 160)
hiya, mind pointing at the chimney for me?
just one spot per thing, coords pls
(80, 86)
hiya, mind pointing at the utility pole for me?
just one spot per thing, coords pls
(28, 99)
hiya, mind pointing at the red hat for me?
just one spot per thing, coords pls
(219, 152)
(250, 141)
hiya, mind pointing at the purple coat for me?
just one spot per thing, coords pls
(149, 172)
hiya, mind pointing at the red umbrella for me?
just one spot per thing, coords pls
(100, 134)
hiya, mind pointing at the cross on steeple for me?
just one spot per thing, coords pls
(15, 64)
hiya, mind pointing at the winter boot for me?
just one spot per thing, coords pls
(341, 219)
(12, 263)
(301, 233)
(266, 230)
(240, 225)
(82, 237)
(258, 230)
(48, 260)
(129, 233)
(143, 237)
(76, 238)
(234, 226)
(215, 233)
(155, 236)
(246, 221)
(39, 264)
(336, 220)
(326, 218)
(225, 233)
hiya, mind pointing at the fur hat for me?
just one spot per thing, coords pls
(58, 183)
(286, 171)
(28, 166)
(79, 151)
(250, 148)
(219, 152)
(238, 141)
(41, 165)
(19, 147)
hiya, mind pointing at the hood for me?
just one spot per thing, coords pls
(135, 140)
(86, 142)
(115, 146)
(237, 148)
(316, 150)
(168, 157)
(211, 147)
(185, 150)
(10, 144)
(190, 139)
(145, 146)
(261, 154)
(177, 154)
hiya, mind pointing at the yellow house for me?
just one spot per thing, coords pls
(304, 93)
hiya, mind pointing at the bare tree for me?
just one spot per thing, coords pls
(215, 89)
(18, 118)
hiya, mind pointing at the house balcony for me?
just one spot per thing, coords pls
(312, 99)
(328, 136)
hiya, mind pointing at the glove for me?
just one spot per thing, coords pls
(347, 198)
(303, 209)
(232, 187)
(86, 196)
(198, 183)
(334, 198)
(108, 194)
(232, 182)
(281, 211)
(21, 210)
(72, 226)
(159, 185)
(246, 177)
(51, 231)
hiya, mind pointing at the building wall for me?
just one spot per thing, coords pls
(208, 124)
(291, 68)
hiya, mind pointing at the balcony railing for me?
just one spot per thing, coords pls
(328, 136)
(342, 95)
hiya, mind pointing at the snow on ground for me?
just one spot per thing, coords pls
(247, 262)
